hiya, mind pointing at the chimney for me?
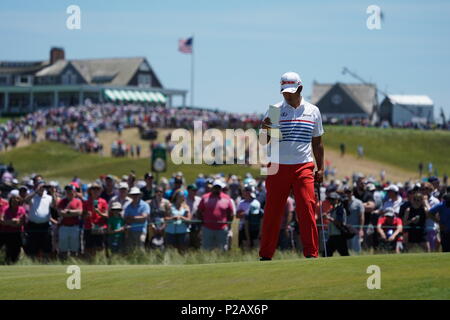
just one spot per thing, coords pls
(56, 54)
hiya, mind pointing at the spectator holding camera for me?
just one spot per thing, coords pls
(336, 217)
(414, 218)
(38, 228)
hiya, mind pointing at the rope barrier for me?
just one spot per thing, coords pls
(197, 221)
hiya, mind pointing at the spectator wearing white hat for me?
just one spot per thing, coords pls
(217, 211)
(136, 219)
(122, 196)
(250, 218)
(393, 200)
(389, 229)
(116, 227)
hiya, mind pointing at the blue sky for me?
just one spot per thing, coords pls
(243, 47)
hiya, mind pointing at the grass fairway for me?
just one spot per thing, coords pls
(403, 148)
(406, 276)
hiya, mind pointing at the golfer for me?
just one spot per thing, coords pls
(301, 129)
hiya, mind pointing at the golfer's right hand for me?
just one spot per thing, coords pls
(266, 123)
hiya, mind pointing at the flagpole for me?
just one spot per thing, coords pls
(192, 73)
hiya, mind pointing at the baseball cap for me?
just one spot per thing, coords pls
(75, 184)
(290, 81)
(148, 175)
(134, 190)
(389, 212)
(69, 187)
(192, 187)
(251, 189)
(116, 206)
(95, 185)
(13, 193)
(123, 185)
(334, 195)
(371, 187)
(392, 187)
(219, 183)
(433, 179)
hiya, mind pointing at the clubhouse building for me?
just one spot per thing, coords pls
(28, 86)
(344, 101)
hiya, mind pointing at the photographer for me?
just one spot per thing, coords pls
(441, 214)
(415, 217)
(337, 217)
(39, 238)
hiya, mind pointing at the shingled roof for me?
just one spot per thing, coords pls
(364, 95)
(111, 71)
(119, 70)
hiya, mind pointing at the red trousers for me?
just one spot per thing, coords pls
(300, 178)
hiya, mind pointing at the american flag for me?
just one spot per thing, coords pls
(185, 45)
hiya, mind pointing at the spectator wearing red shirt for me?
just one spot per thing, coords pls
(389, 229)
(12, 220)
(69, 211)
(216, 210)
(95, 216)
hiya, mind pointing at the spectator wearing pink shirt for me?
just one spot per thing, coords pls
(216, 209)
(12, 220)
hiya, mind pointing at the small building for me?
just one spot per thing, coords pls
(27, 86)
(345, 101)
(407, 109)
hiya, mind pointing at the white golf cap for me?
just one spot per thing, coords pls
(219, 183)
(290, 81)
(116, 206)
(389, 212)
(392, 187)
(123, 185)
(134, 190)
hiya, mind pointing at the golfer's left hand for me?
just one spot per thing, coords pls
(318, 176)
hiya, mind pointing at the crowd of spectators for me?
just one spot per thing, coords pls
(118, 215)
(79, 126)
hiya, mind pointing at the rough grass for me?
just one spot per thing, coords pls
(406, 276)
(403, 148)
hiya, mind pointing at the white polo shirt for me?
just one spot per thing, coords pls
(40, 208)
(298, 126)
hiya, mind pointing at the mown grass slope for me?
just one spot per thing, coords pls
(403, 148)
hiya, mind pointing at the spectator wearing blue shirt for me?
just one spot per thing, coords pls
(441, 213)
(136, 218)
